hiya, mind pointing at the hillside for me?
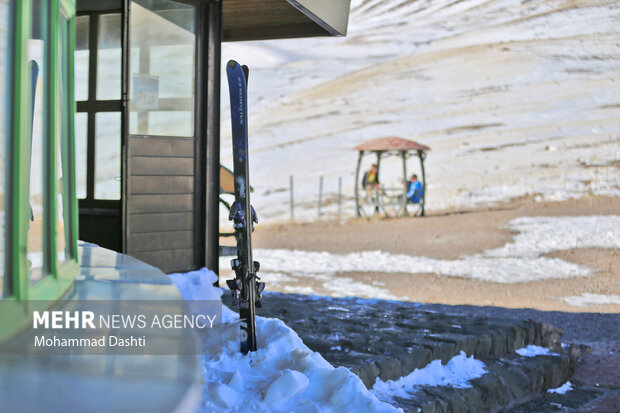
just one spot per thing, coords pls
(515, 98)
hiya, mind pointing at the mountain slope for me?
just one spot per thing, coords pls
(514, 98)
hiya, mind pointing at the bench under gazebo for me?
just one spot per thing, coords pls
(389, 201)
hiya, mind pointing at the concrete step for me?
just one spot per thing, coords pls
(387, 340)
(510, 381)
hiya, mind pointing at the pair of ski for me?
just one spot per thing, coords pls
(245, 288)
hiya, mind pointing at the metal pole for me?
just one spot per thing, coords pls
(124, 123)
(292, 201)
(339, 197)
(378, 190)
(211, 148)
(320, 195)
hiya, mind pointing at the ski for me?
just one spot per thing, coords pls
(245, 288)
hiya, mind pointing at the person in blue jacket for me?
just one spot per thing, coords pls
(416, 190)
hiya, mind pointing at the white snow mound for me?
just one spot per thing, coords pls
(456, 373)
(533, 351)
(284, 375)
(563, 389)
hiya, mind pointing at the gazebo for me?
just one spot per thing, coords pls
(382, 148)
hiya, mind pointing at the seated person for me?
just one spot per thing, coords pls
(416, 190)
(371, 178)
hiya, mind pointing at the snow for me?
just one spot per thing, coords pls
(563, 389)
(321, 267)
(533, 351)
(456, 373)
(521, 260)
(282, 376)
(514, 98)
(588, 299)
(541, 235)
(192, 287)
(285, 387)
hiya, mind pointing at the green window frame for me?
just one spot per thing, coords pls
(61, 275)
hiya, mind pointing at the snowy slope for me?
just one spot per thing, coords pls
(514, 97)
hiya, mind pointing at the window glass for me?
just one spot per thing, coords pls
(109, 57)
(171, 123)
(161, 93)
(81, 144)
(108, 155)
(62, 135)
(4, 26)
(62, 209)
(81, 56)
(176, 81)
(36, 69)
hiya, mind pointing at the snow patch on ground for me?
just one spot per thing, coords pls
(588, 299)
(541, 235)
(283, 375)
(322, 267)
(456, 373)
(533, 351)
(563, 389)
(521, 260)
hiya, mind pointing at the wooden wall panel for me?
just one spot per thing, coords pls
(169, 261)
(161, 202)
(175, 221)
(158, 241)
(161, 185)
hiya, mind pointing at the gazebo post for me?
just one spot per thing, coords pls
(357, 183)
(379, 153)
(403, 154)
(422, 155)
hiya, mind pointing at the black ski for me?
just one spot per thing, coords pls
(245, 289)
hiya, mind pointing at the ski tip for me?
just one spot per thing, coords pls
(231, 63)
(246, 71)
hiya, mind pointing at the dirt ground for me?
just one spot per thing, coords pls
(450, 235)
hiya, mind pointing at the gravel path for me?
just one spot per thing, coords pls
(448, 237)
(597, 330)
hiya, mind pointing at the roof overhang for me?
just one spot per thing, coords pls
(279, 19)
(391, 143)
(261, 19)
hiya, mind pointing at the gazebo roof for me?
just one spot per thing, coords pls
(391, 143)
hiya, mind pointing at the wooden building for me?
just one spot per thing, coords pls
(148, 91)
